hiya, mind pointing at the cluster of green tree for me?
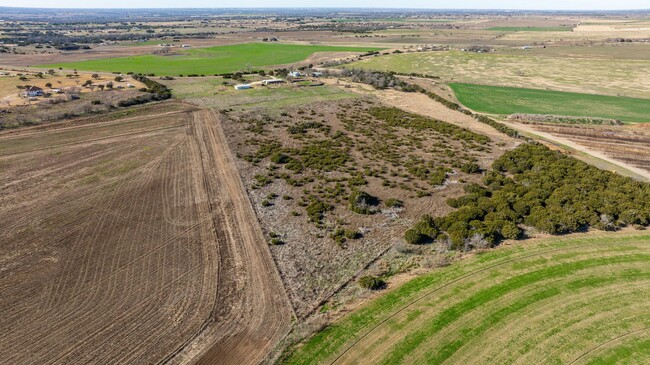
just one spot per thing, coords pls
(316, 210)
(371, 282)
(378, 80)
(160, 91)
(536, 187)
(361, 202)
(303, 127)
(341, 235)
(398, 118)
(498, 126)
(156, 91)
(562, 119)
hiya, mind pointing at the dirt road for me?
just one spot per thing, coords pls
(643, 174)
(139, 247)
(257, 313)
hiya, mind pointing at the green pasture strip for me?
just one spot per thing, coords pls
(623, 352)
(510, 100)
(451, 314)
(333, 339)
(209, 61)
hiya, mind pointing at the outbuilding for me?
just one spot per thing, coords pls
(243, 87)
(33, 91)
(272, 81)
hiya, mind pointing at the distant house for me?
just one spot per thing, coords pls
(272, 81)
(130, 86)
(32, 92)
(57, 91)
(243, 87)
(316, 74)
(295, 74)
(186, 46)
(527, 47)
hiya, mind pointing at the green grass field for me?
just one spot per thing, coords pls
(573, 300)
(210, 92)
(209, 61)
(531, 29)
(510, 100)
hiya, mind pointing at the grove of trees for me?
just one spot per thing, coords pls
(532, 186)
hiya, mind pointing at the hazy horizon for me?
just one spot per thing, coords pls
(568, 5)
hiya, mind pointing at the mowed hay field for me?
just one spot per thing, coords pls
(123, 242)
(510, 100)
(574, 300)
(600, 74)
(209, 61)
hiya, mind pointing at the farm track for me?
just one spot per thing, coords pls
(137, 247)
(569, 142)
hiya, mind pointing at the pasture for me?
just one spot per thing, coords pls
(559, 71)
(211, 92)
(531, 29)
(510, 100)
(577, 300)
(209, 61)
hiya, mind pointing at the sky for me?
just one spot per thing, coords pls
(428, 4)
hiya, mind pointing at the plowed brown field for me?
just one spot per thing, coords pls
(132, 241)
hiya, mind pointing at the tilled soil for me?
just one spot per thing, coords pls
(624, 146)
(132, 242)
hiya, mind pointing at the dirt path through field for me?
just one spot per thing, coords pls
(566, 142)
(252, 310)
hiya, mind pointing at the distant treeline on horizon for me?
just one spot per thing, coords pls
(167, 14)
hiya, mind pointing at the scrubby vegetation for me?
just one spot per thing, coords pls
(532, 186)
(559, 119)
(377, 79)
(339, 166)
(371, 282)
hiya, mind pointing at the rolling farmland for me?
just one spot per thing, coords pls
(575, 300)
(143, 246)
(209, 61)
(511, 100)
(561, 70)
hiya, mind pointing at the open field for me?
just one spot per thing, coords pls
(531, 29)
(577, 300)
(623, 77)
(211, 92)
(209, 61)
(340, 216)
(315, 153)
(132, 240)
(510, 100)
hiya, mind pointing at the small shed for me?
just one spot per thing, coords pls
(272, 81)
(243, 87)
(33, 91)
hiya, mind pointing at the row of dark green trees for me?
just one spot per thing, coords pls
(536, 187)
